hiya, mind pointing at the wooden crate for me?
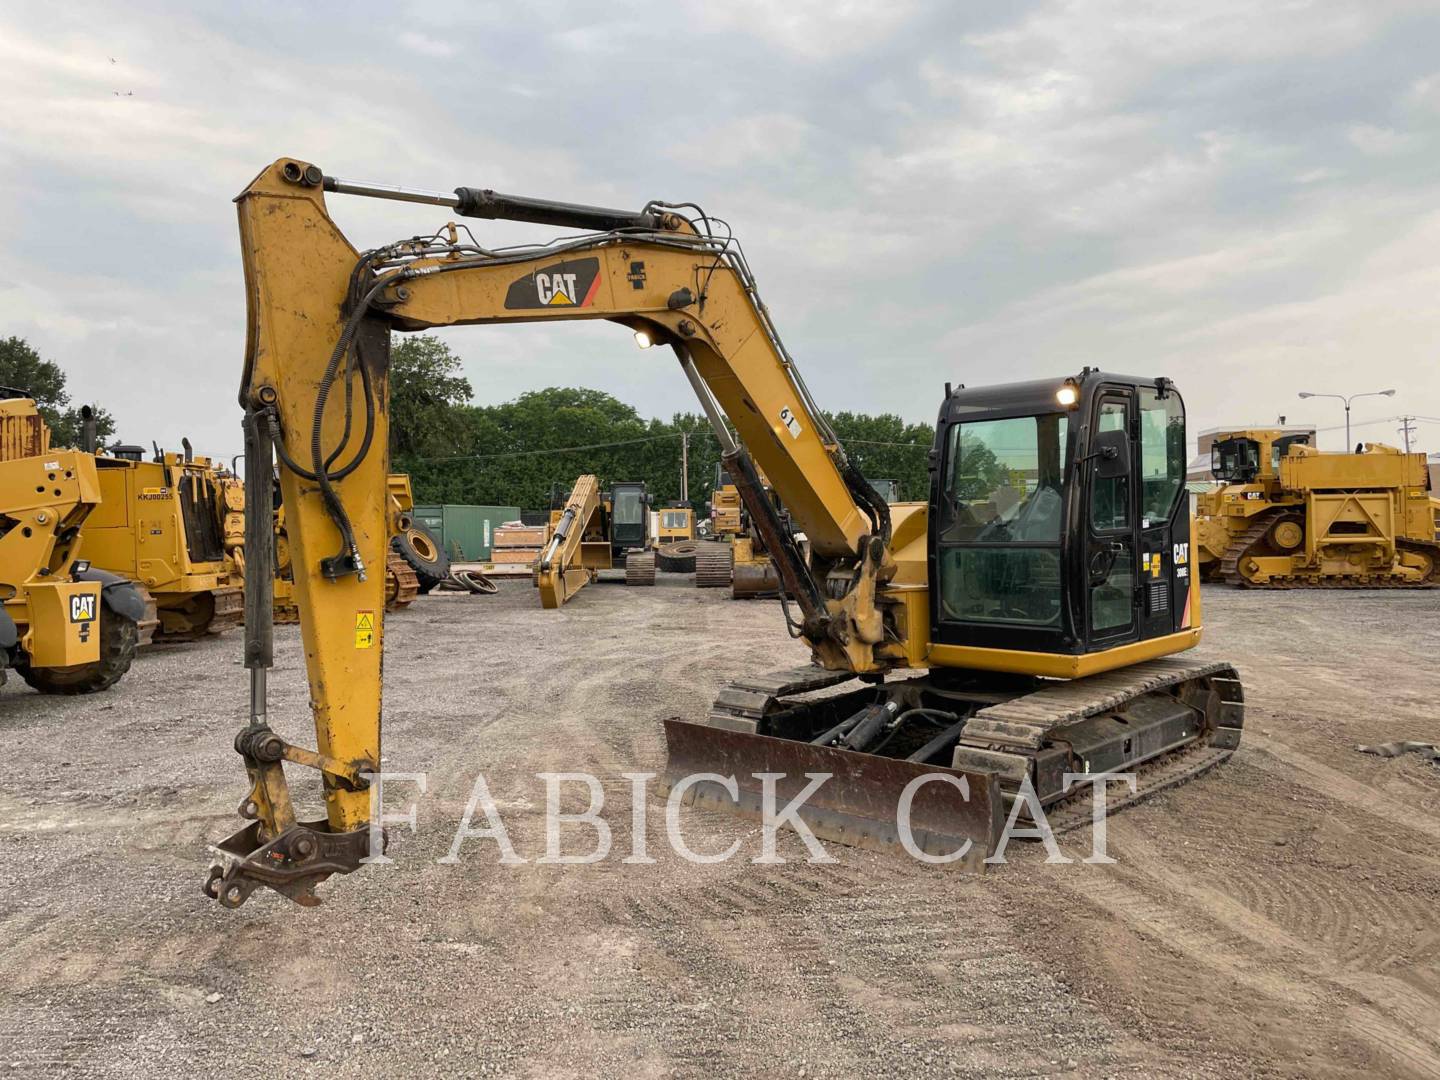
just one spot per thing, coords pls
(512, 536)
(514, 554)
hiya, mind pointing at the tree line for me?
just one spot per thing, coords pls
(512, 453)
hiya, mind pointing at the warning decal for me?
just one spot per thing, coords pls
(364, 629)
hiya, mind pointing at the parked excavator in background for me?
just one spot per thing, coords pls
(66, 627)
(1030, 611)
(591, 531)
(162, 523)
(1289, 516)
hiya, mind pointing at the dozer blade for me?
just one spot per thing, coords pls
(754, 580)
(858, 805)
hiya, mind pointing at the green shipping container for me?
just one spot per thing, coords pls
(465, 531)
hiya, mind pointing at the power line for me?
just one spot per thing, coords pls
(555, 450)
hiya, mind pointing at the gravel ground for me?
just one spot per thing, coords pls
(1273, 918)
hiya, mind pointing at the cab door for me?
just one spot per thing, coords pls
(1112, 525)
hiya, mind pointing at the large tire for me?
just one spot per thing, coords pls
(119, 637)
(423, 552)
(677, 557)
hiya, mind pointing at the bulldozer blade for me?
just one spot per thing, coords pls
(858, 805)
(754, 580)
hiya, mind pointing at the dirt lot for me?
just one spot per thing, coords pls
(1274, 918)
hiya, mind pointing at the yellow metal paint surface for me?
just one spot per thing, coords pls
(1058, 666)
(64, 627)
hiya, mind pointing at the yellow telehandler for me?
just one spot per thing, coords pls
(1014, 638)
(65, 626)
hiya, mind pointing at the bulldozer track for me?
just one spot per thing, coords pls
(640, 568)
(712, 565)
(228, 612)
(402, 584)
(1241, 546)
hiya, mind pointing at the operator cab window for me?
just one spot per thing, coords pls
(1001, 520)
(628, 506)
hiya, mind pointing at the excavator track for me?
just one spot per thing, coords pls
(1165, 721)
(1019, 737)
(712, 565)
(640, 568)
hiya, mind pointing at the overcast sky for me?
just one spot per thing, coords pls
(1242, 196)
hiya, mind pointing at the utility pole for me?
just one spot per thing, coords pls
(1407, 428)
(684, 466)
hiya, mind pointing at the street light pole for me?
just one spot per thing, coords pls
(1347, 401)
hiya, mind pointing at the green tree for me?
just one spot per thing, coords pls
(885, 447)
(427, 393)
(25, 370)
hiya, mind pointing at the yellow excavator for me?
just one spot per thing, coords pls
(592, 530)
(411, 545)
(1016, 634)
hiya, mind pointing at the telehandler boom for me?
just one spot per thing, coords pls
(1044, 587)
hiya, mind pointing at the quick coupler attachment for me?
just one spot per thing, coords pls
(292, 864)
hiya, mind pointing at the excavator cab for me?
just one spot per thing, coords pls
(1235, 460)
(629, 517)
(1059, 528)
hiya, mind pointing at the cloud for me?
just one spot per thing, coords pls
(1235, 194)
(426, 45)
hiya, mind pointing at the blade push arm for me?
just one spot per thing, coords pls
(320, 315)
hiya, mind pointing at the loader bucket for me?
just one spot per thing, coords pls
(858, 805)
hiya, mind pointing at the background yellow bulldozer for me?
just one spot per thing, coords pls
(163, 523)
(66, 627)
(1288, 515)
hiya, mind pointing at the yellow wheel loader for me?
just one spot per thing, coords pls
(1014, 638)
(65, 626)
(161, 523)
(1288, 515)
